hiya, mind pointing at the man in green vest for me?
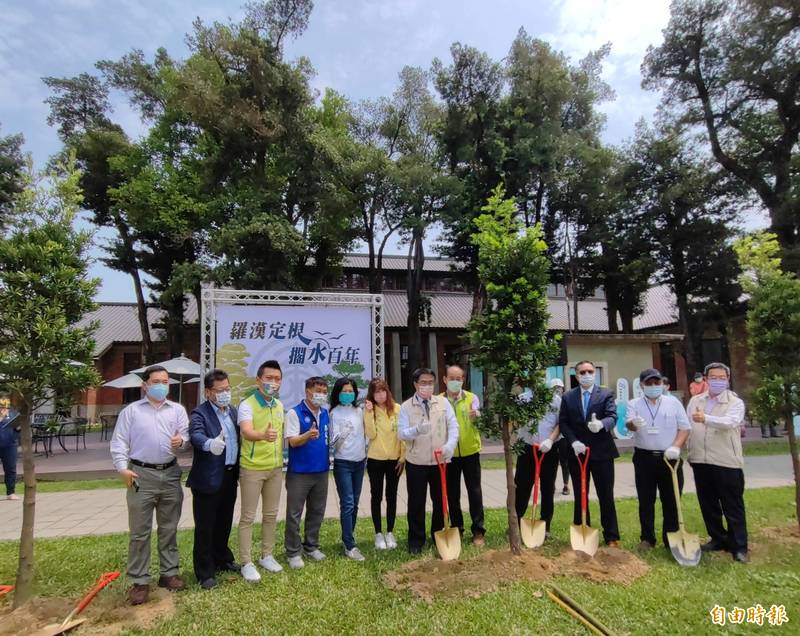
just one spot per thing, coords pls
(467, 457)
(261, 459)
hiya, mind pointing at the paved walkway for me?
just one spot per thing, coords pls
(88, 512)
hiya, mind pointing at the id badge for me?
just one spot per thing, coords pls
(652, 430)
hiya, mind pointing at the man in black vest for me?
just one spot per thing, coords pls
(587, 415)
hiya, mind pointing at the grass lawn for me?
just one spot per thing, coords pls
(343, 597)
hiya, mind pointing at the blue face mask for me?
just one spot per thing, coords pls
(347, 398)
(653, 391)
(158, 392)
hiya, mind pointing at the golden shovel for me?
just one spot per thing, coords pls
(685, 547)
(582, 537)
(533, 530)
(448, 541)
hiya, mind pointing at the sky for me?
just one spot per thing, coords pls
(356, 46)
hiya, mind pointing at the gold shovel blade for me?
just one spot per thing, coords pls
(532, 532)
(584, 539)
(685, 547)
(54, 630)
(448, 543)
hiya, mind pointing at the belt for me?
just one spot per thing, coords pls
(657, 453)
(169, 464)
(230, 466)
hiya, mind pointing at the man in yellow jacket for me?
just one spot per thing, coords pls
(467, 457)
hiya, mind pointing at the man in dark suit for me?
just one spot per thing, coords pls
(587, 415)
(214, 433)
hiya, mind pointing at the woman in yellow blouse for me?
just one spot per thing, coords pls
(385, 458)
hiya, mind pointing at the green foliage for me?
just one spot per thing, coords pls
(513, 345)
(12, 168)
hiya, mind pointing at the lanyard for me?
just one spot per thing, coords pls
(653, 416)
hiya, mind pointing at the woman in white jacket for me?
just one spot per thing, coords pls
(349, 458)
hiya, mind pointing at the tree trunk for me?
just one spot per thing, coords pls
(416, 258)
(514, 539)
(689, 335)
(23, 589)
(789, 416)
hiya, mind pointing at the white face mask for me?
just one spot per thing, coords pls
(425, 391)
(224, 398)
(319, 399)
(586, 380)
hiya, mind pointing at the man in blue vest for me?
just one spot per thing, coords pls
(306, 431)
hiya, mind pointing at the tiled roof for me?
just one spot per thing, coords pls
(396, 262)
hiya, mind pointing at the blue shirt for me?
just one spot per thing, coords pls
(229, 432)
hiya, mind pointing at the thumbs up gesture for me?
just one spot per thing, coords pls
(595, 425)
(698, 415)
(217, 445)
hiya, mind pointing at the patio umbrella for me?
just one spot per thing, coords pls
(180, 368)
(129, 381)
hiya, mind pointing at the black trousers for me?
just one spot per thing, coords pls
(213, 517)
(378, 471)
(470, 466)
(720, 491)
(564, 451)
(418, 480)
(651, 474)
(602, 472)
(523, 479)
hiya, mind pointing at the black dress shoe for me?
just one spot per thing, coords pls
(208, 584)
(230, 567)
(712, 546)
(415, 550)
(741, 557)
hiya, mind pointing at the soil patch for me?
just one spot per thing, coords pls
(785, 534)
(430, 579)
(107, 615)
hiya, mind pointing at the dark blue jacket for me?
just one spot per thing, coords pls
(313, 456)
(207, 469)
(573, 424)
(9, 436)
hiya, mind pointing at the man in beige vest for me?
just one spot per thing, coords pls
(426, 423)
(715, 454)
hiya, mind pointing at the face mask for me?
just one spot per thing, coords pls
(698, 378)
(715, 387)
(158, 392)
(380, 397)
(425, 391)
(653, 391)
(454, 386)
(224, 398)
(347, 398)
(586, 380)
(270, 389)
(319, 399)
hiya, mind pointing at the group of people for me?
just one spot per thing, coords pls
(583, 420)
(240, 449)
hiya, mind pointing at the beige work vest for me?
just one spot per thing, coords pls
(710, 445)
(420, 450)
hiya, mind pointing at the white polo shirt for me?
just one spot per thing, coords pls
(662, 420)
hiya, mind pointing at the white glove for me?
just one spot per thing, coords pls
(546, 445)
(447, 454)
(635, 424)
(595, 425)
(217, 446)
(673, 452)
(424, 427)
(579, 448)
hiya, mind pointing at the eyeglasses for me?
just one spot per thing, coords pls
(586, 372)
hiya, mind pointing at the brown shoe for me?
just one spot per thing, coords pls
(138, 594)
(172, 583)
(478, 540)
(613, 544)
(645, 545)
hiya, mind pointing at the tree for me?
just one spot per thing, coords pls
(514, 269)
(46, 290)
(12, 168)
(733, 68)
(773, 333)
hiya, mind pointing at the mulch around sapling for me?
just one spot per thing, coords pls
(108, 614)
(434, 579)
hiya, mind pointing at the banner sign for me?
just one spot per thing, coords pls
(330, 342)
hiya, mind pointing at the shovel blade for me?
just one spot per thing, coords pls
(55, 630)
(685, 547)
(532, 532)
(448, 543)
(584, 539)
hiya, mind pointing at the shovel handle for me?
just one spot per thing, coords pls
(537, 463)
(5, 589)
(443, 477)
(101, 583)
(584, 486)
(676, 488)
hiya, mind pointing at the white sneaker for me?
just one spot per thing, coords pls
(13, 497)
(296, 562)
(316, 555)
(354, 554)
(249, 573)
(391, 542)
(270, 564)
(380, 542)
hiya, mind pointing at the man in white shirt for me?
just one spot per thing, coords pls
(715, 455)
(427, 423)
(660, 429)
(147, 436)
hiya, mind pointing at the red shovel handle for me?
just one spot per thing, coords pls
(537, 463)
(584, 494)
(443, 476)
(5, 589)
(104, 580)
